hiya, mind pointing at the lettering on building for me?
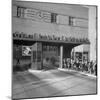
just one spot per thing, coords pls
(38, 36)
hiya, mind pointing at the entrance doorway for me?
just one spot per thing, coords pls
(50, 57)
(44, 56)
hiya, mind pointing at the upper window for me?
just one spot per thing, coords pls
(20, 12)
(71, 20)
(53, 17)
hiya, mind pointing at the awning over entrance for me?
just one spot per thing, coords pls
(63, 43)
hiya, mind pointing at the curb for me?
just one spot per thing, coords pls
(35, 71)
(83, 73)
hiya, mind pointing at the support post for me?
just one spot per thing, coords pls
(61, 56)
(36, 57)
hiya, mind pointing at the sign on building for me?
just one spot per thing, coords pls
(37, 15)
(26, 50)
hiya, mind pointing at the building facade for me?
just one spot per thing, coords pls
(89, 52)
(45, 33)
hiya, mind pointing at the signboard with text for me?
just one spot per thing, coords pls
(40, 37)
(37, 15)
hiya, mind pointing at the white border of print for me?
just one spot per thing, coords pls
(6, 53)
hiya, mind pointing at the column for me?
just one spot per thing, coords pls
(36, 57)
(61, 56)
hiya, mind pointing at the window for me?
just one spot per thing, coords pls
(20, 12)
(53, 17)
(71, 20)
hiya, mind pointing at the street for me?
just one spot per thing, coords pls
(32, 84)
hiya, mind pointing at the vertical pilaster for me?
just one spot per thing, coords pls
(92, 32)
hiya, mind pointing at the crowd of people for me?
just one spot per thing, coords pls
(84, 66)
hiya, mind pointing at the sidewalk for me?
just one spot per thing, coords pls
(39, 83)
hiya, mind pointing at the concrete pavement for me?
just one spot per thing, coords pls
(31, 84)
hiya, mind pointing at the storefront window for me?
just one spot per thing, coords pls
(85, 56)
(49, 48)
(78, 56)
